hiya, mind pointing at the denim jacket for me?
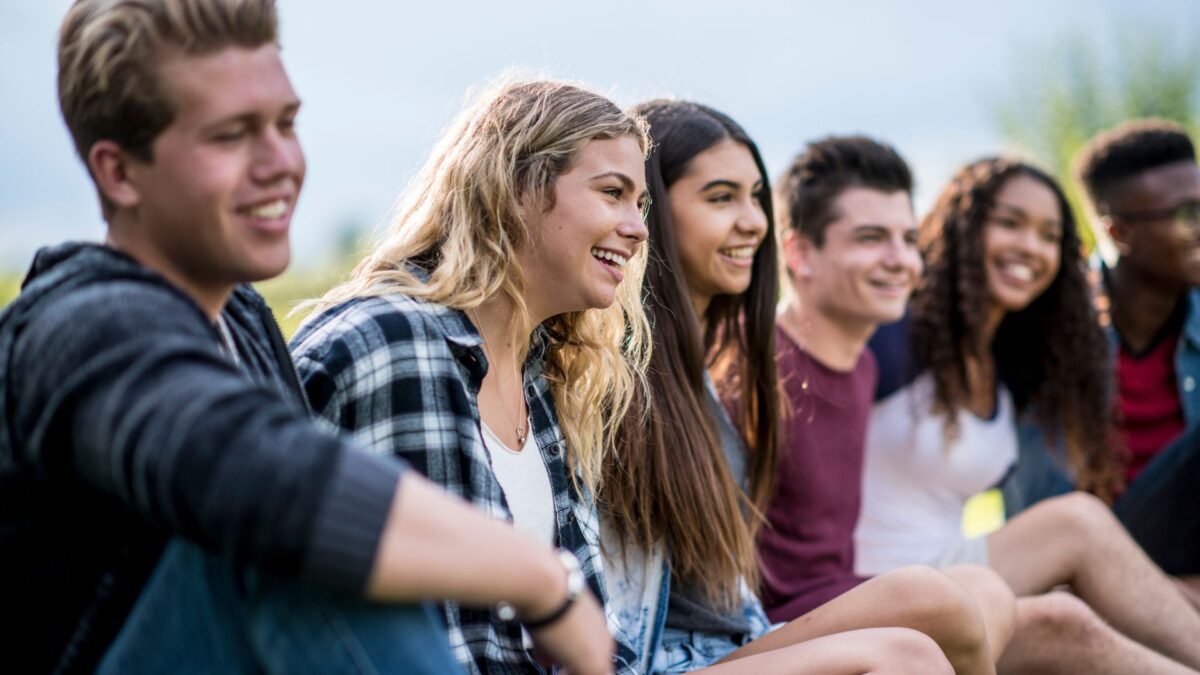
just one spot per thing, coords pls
(1041, 471)
(639, 586)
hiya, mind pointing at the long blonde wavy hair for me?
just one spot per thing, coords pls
(459, 221)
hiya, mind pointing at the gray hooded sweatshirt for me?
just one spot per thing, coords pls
(124, 423)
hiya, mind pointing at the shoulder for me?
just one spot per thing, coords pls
(892, 349)
(369, 323)
(109, 310)
(394, 333)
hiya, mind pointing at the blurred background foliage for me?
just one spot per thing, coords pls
(1068, 91)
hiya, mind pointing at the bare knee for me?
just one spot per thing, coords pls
(1082, 516)
(1060, 618)
(909, 651)
(993, 595)
(939, 605)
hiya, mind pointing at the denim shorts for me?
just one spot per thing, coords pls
(682, 651)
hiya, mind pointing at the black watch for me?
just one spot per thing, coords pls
(575, 585)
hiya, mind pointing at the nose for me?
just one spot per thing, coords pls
(1029, 241)
(632, 227)
(278, 155)
(901, 254)
(753, 219)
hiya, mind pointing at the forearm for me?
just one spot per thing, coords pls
(435, 546)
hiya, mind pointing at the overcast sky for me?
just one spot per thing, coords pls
(379, 81)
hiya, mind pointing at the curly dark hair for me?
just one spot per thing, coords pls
(1052, 355)
(1127, 150)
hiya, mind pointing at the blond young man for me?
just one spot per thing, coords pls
(148, 395)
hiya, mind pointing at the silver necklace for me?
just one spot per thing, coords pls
(522, 428)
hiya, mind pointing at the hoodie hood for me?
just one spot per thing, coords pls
(55, 271)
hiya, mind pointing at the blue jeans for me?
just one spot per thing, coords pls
(201, 614)
(1161, 509)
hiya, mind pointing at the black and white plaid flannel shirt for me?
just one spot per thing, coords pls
(402, 376)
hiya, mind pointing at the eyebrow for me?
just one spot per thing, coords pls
(626, 181)
(878, 227)
(725, 182)
(1011, 207)
(250, 116)
(1023, 214)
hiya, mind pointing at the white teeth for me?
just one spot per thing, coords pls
(270, 210)
(614, 258)
(738, 252)
(1019, 271)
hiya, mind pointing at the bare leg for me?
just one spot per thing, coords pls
(1074, 539)
(877, 651)
(919, 598)
(995, 601)
(1190, 587)
(1057, 634)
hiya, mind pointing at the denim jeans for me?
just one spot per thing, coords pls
(201, 614)
(1161, 509)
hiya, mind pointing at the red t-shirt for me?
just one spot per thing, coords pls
(1148, 396)
(806, 551)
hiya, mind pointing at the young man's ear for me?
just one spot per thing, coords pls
(797, 249)
(1120, 232)
(111, 168)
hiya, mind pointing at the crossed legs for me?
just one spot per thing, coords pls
(967, 613)
(1127, 601)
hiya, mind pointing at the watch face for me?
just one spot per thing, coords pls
(575, 580)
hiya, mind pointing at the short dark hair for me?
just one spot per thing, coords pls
(1129, 149)
(829, 166)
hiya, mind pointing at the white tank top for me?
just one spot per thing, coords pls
(526, 484)
(914, 486)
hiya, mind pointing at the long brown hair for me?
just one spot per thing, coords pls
(1052, 355)
(668, 480)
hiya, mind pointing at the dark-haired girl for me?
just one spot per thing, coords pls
(1003, 326)
(688, 482)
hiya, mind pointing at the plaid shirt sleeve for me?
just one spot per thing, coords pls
(401, 376)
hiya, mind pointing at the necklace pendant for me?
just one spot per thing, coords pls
(521, 434)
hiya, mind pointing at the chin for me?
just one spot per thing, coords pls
(267, 267)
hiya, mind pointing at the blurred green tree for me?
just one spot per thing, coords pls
(1067, 92)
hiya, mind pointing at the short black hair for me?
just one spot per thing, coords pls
(1129, 149)
(829, 166)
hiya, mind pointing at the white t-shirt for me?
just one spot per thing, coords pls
(526, 484)
(914, 486)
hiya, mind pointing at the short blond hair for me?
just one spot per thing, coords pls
(108, 56)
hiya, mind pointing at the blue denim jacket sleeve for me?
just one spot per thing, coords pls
(1187, 361)
(1041, 470)
(638, 584)
(1041, 467)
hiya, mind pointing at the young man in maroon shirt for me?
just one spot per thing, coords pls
(849, 242)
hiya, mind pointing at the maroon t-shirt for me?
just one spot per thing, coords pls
(807, 548)
(1148, 395)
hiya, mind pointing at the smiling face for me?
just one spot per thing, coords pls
(213, 207)
(1022, 242)
(868, 264)
(719, 220)
(1166, 249)
(576, 252)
